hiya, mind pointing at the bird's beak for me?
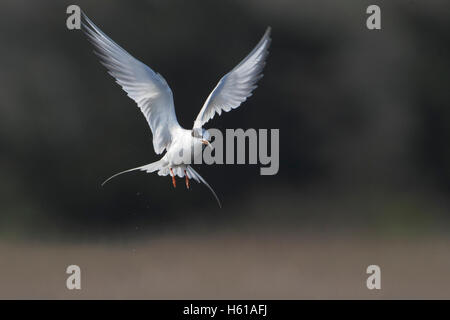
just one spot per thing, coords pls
(206, 142)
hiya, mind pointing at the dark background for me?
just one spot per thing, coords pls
(362, 116)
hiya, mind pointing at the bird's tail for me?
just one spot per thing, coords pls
(151, 167)
(194, 174)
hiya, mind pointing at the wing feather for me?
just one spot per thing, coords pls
(148, 88)
(237, 85)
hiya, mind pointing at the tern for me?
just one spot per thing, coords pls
(155, 100)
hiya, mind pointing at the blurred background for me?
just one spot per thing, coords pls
(364, 160)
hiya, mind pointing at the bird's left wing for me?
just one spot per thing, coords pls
(237, 85)
(149, 89)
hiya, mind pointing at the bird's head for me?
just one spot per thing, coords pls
(203, 135)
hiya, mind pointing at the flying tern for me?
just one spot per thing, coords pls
(155, 100)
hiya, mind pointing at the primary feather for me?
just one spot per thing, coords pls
(149, 89)
(237, 85)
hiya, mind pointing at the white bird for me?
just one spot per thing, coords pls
(153, 96)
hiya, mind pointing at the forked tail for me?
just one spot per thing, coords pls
(163, 170)
(151, 167)
(194, 174)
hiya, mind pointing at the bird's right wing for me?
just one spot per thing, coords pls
(143, 85)
(237, 85)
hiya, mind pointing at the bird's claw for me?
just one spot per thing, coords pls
(174, 182)
(187, 179)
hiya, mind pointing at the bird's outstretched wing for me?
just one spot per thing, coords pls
(143, 85)
(237, 85)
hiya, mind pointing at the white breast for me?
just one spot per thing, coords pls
(183, 149)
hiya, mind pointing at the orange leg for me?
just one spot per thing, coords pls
(187, 179)
(173, 178)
